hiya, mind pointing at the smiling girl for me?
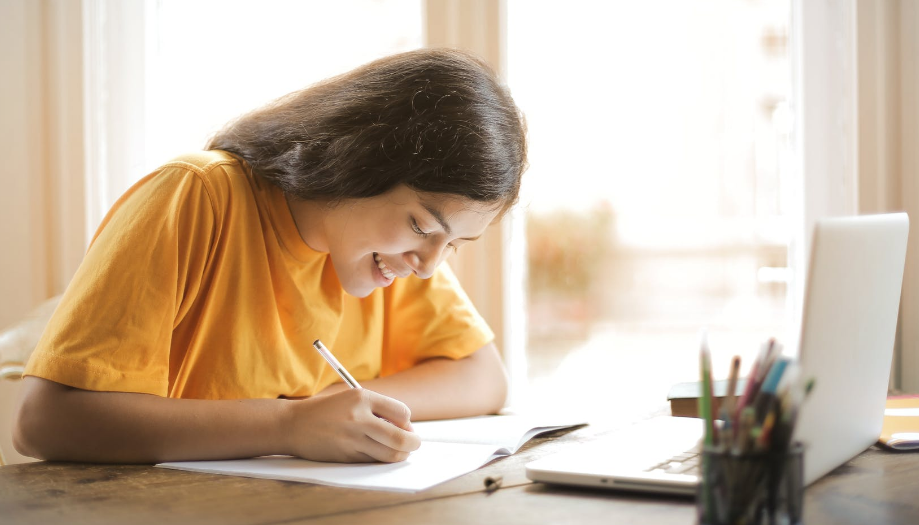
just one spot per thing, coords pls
(187, 330)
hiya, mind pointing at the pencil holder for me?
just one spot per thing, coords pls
(754, 488)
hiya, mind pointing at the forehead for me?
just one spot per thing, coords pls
(457, 209)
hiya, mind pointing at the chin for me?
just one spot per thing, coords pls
(358, 291)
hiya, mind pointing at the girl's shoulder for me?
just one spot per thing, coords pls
(204, 161)
(225, 176)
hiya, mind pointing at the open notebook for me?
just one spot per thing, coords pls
(449, 448)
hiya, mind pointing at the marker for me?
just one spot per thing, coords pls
(768, 394)
(324, 352)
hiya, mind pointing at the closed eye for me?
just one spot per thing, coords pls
(418, 230)
(424, 235)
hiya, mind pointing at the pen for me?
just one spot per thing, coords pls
(775, 349)
(790, 416)
(762, 441)
(324, 352)
(744, 430)
(705, 408)
(752, 381)
(730, 400)
(705, 411)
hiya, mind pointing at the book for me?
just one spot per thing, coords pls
(684, 397)
(900, 429)
(449, 448)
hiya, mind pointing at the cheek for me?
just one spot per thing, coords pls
(386, 239)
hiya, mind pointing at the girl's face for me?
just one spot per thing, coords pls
(375, 240)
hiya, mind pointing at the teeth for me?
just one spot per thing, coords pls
(382, 266)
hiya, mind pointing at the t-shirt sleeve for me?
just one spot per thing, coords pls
(428, 318)
(113, 328)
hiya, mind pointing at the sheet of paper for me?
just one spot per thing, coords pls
(430, 465)
(449, 448)
(902, 412)
(505, 433)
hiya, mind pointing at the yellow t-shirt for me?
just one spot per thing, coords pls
(198, 285)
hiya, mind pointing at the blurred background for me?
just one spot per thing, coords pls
(656, 202)
(679, 152)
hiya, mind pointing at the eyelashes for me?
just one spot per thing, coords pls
(424, 235)
(419, 231)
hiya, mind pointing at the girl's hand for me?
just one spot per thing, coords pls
(354, 426)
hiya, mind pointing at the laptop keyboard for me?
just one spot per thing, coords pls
(683, 463)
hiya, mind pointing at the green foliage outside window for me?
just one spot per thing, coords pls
(568, 250)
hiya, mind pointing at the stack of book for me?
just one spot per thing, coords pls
(684, 397)
(900, 430)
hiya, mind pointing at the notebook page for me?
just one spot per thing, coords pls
(449, 448)
(431, 464)
(505, 433)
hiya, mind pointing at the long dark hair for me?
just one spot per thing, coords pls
(436, 120)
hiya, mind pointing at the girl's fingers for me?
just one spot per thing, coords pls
(391, 436)
(381, 452)
(391, 410)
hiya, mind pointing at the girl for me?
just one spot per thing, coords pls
(187, 330)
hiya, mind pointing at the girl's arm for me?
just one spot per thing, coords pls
(445, 388)
(58, 422)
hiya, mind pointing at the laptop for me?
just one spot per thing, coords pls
(848, 327)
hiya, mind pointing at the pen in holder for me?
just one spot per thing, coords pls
(751, 472)
(751, 488)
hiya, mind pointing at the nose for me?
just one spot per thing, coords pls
(423, 263)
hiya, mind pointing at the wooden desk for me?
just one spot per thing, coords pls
(877, 487)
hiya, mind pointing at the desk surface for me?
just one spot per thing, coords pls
(877, 487)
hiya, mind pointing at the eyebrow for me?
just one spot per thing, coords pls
(443, 222)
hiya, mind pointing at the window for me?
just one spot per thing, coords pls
(657, 197)
(164, 75)
(656, 99)
(211, 61)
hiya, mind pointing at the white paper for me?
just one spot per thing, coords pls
(904, 412)
(505, 433)
(431, 464)
(475, 441)
(899, 437)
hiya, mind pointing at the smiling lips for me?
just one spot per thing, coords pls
(383, 268)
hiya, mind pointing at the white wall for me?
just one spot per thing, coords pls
(41, 202)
